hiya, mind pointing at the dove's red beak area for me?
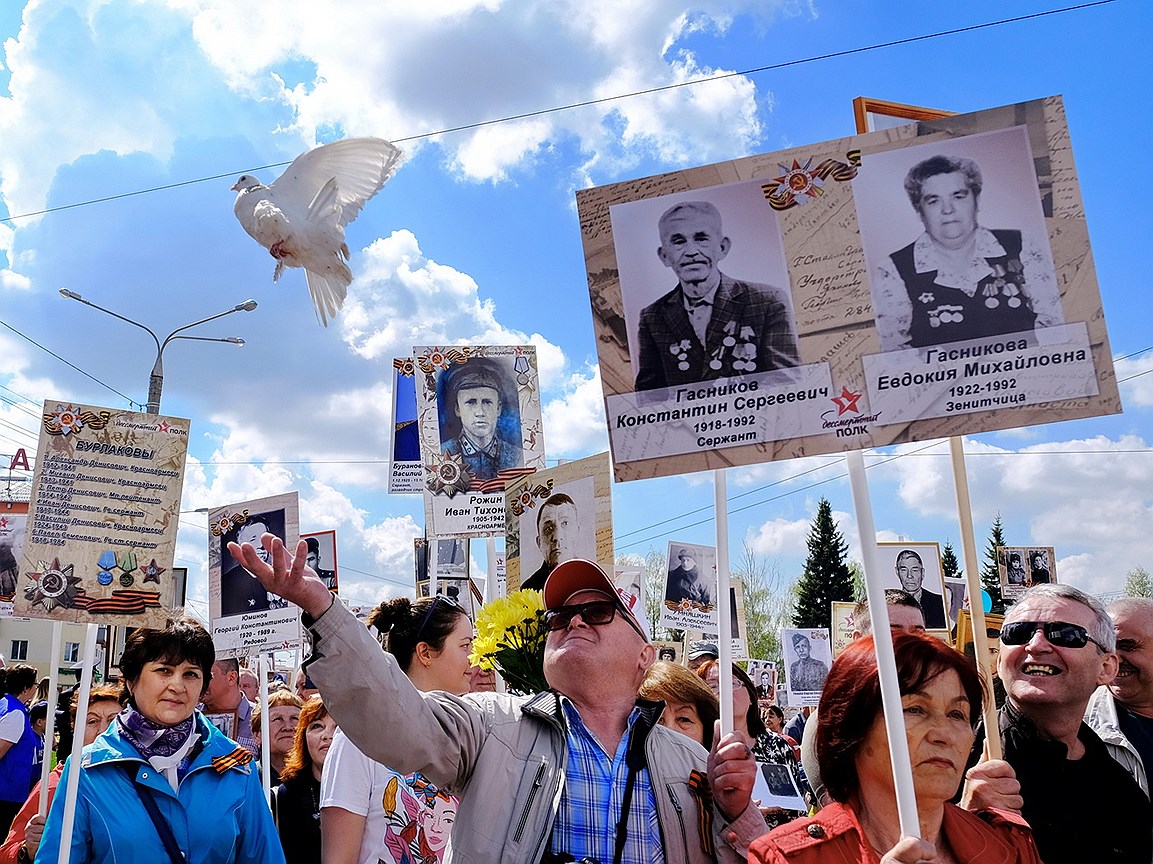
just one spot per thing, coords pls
(236, 186)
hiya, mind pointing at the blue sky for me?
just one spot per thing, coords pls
(476, 238)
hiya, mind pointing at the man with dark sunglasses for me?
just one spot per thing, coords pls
(1058, 645)
(580, 772)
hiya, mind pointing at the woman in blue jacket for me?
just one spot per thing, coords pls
(206, 800)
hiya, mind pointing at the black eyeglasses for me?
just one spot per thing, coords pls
(1059, 633)
(595, 614)
(439, 598)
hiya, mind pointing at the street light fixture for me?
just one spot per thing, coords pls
(156, 380)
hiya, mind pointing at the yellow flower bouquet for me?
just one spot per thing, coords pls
(510, 637)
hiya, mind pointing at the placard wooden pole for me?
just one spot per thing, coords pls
(725, 629)
(973, 582)
(490, 586)
(50, 726)
(886, 661)
(262, 664)
(88, 658)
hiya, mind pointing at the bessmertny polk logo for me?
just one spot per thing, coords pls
(847, 421)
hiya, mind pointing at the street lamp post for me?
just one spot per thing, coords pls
(156, 379)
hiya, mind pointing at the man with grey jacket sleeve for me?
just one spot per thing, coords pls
(582, 771)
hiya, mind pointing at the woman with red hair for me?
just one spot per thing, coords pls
(296, 802)
(941, 698)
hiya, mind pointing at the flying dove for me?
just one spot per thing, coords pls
(300, 218)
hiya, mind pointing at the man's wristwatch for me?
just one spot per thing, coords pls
(22, 856)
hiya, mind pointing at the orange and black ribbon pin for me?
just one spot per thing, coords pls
(699, 786)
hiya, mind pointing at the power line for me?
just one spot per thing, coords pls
(67, 363)
(692, 82)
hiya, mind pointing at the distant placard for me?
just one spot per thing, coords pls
(321, 557)
(1021, 567)
(808, 655)
(244, 618)
(480, 430)
(556, 515)
(101, 530)
(690, 590)
(847, 294)
(916, 568)
(405, 469)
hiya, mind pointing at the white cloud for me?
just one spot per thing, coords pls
(574, 422)
(401, 69)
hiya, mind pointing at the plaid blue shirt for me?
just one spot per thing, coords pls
(590, 805)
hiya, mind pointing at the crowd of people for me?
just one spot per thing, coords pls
(407, 755)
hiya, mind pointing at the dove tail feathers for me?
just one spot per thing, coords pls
(328, 293)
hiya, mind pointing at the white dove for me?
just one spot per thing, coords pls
(300, 218)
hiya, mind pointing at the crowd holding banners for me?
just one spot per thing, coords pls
(371, 813)
(832, 208)
(161, 774)
(557, 514)
(480, 429)
(467, 742)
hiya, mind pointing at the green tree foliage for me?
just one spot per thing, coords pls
(990, 578)
(1138, 583)
(949, 564)
(827, 576)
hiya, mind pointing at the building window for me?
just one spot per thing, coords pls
(19, 650)
(71, 652)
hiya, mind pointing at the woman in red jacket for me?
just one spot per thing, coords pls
(941, 696)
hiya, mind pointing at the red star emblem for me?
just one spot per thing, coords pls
(3, 521)
(847, 401)
(162, 426)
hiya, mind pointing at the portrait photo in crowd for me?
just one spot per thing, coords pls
(12, 526)
(737, 629)
(1021, 567)
(764, 677)
(450, 557)
(321, 557)
(705, 286)
(632, 586)
(480, 430)
(245, 619)
(775, 786)
(689, 601)
(555, 515)
(955, 241)
(405, 469)
(672, 652)
(807, 656)
(907, 256)
(916, 568)
(956, 591)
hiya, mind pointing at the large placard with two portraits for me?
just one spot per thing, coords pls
(915, 282)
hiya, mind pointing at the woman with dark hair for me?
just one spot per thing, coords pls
(691, 708)
(370, 813)
(941, 697)
(24, 838)
(18, 740)
(162, 784)
(296, 802)
(768, 747)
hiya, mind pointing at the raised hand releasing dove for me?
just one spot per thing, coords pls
(300, 218)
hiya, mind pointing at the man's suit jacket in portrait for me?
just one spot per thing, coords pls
(750, 331)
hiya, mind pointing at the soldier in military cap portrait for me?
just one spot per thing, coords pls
(478, 421)
(807, 673)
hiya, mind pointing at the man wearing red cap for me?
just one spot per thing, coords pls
(581, 772)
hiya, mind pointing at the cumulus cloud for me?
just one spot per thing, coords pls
(574, 421)
(411, 69)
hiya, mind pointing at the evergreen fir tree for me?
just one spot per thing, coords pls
(990, 577)
(950, 567)
(827, 576)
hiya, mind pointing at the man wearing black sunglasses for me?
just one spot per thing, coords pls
(1058, 645)
(580, 772)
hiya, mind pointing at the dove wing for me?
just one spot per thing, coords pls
(360, 166)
